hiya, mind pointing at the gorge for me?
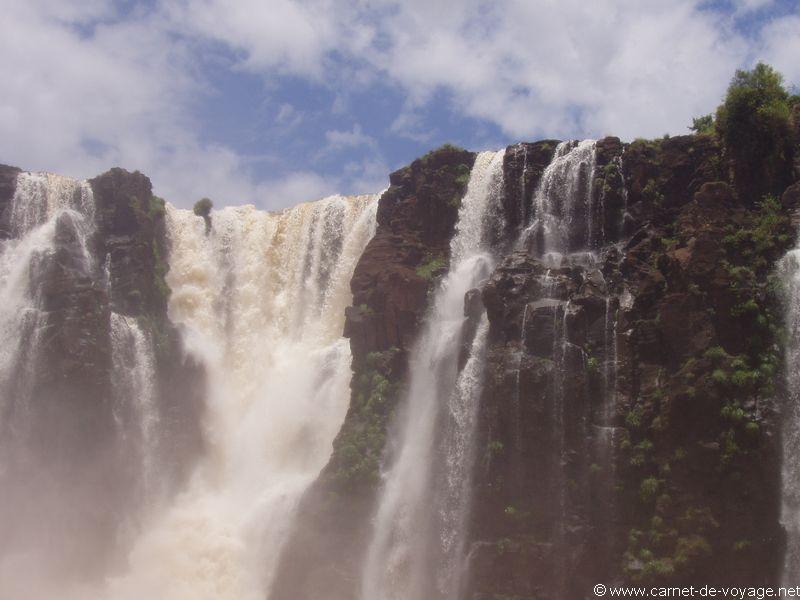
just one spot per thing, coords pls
(511, 375)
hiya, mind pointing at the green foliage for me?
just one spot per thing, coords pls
(157, 208)
(752, 428)
(652, 194)
(719, 376)
(633, 417)
(691, 548)
(754, 120)
(733, 413)
(648, 489)
(427, 269)
(658, 567)
(462, 175)
(748, 307)
(592, 365)
(359, 446)
(202, 208)
(704, 124)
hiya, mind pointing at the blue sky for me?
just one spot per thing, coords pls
(273, 102)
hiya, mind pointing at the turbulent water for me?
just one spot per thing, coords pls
(40, 200)
(789, 270)
(416, 552)
(47, 214)
(260, 301)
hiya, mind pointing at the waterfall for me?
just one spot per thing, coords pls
(560, 236)
(39, 201)
(41, 204)
(260, 301)
(562, 204)
(43, 523)
(135, 410)
(789, 270)
(417, 543)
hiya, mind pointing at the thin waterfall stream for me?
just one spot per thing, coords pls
(418, 528)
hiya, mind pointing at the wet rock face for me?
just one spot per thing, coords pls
(625, 431)
(391, 284)
(131, 241)
(523, 165)
(69, 384)
(132, 246)
(416, 218)
(544, 395)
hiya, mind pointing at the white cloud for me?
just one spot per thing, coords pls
(78, 104)
(781, 47)
(532, 67)
(352, 138)
(747, 6)
(84, 88)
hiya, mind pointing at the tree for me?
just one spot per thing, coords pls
(755, 126)
(202, 208)
(704, 124)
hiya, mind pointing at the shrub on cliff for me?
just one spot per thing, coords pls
(202, 208)
(754, 123)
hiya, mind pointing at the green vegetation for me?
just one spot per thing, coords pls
(703, 125)
(359, 446)
(592, 365)
(429, 268)
(648, 489)
(754, 123)
(202, 208)
(463, 172)
(157, 208)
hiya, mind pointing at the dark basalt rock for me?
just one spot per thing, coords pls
(689, 283)
(523, 165)
(132, 245)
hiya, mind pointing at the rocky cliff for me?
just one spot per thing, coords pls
(68, 457)
(628, 427)
(390, 285)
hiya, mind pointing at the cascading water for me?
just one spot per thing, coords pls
(260, 299)
(49, 222)
(38, 203)
(789, 269)
(135, 410)
(562, 203)
(416, 552)
(561, 236)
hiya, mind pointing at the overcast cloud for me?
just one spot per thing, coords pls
(274, 102)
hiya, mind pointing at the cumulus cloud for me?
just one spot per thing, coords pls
(353, 138)
(87, 85)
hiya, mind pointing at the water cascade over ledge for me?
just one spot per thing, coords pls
(260, 299)
(417, 545)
